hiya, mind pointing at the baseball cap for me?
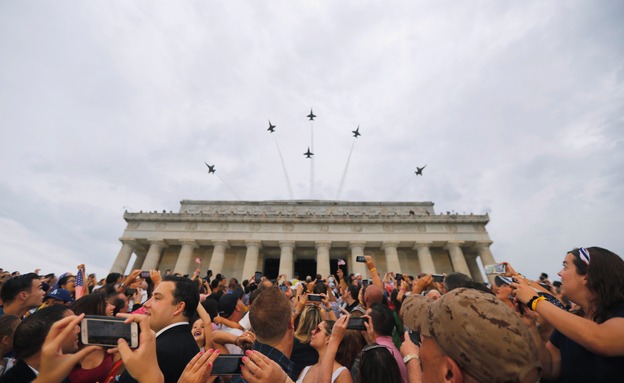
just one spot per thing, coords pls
(60, 295)
(227, 303)
(478, 331)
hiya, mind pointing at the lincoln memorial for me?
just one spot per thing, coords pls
(238, 238)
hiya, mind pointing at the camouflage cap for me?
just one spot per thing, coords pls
(478, 331)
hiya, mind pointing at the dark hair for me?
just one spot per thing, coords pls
(12, 287)
(379, 366)
(31, 333)
(6, 322)
(112, 278)
(354, 290)
(456, 280)
(269, 315)
(350, 348)
(382, 318)
(185, 291)
(319, 287)
(64, 279)
(605, 278)
(92, 304)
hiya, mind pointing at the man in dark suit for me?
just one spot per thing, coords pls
(170, 308)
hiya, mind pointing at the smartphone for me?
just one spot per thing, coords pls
(356, 323)
(315, 298)
(497, 268)
(414, 337)
(360, 258)
(144, 274)
(438, 277)
(257, 276)
(283, 288)
(227, 365)
(365, 282)
(398, 276)
(105, 331)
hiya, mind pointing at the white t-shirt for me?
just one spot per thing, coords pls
(232, 349)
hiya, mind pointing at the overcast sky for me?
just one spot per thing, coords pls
(516, 108)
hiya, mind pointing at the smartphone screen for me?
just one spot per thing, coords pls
(356, 323)
(315, 298)
(227, 365)
(438, 277)
(105, 331)
(360, 258)
(145, 274)
(283, 288)
(257, 277)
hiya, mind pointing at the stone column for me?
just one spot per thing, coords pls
(484, 252)
(483, 248)
(357, 249)
(424, 257)
(251, 259)
(286, 264)
(218, 256)
(475, 272)
(185, 258)
(153, 254)
(121, 262)
(322, 258)
(457, 257)
(140, 258)
(392, 257)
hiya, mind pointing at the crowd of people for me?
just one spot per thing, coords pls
(337, 328)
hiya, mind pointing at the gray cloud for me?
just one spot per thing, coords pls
(515, 108)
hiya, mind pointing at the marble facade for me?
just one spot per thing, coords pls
(283, 237)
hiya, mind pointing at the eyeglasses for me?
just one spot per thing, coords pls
(319, 328)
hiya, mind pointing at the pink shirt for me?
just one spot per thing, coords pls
(387, 342)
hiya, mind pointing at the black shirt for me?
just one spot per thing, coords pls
(578, 364)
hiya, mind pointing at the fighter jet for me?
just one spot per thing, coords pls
(419, 170)
(311, 115)
(356, 132)
(308, 154)
(211, 168)
(271, 127)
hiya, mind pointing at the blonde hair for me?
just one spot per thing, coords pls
(309, 319)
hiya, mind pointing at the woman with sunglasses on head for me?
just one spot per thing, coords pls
(319, 341)
(587, 346)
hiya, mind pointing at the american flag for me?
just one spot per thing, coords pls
(80, 284)
(341, 262)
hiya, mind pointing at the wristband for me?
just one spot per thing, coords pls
(532, 302)
(409, 357)
(373, 269)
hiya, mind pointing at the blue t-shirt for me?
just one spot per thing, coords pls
(578, 364)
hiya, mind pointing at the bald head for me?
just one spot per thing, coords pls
(373, 295)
